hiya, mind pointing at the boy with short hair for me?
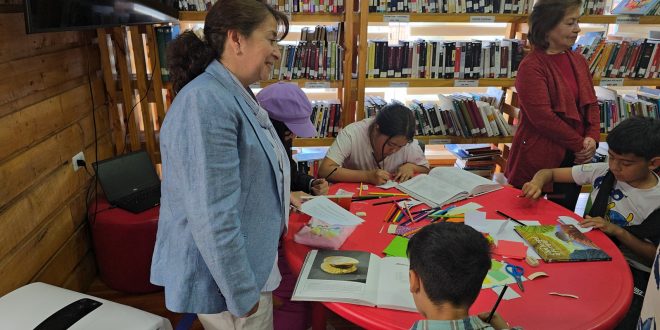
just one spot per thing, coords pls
(628, 208)
(448, 264)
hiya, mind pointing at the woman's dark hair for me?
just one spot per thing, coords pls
(188, 56)
(545, 16)
(394, 120)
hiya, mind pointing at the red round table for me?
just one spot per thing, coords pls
(123, 244)
(604, 288)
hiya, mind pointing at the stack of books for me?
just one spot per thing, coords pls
(477, 159)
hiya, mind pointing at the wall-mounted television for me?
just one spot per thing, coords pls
(67, 15)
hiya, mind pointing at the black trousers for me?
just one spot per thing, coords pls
(568, 193)
(640, 281)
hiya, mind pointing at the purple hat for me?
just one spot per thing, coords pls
(287, 103)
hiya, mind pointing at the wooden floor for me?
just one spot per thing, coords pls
(155, 303)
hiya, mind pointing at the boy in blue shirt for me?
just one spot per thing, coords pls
(448, 264)
(625, 199)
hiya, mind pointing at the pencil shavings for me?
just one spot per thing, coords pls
(564, 295)
(533, 276)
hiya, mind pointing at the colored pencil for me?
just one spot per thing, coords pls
(509, 217)
(391, 201)
(388, 194)
(499, 298)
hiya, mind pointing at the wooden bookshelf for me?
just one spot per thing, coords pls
(431, 139)
(498, 18)
(313, 142)
(634, 82)
(199, 16)
(409, 82)
(446, 18)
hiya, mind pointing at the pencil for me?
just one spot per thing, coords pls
(391, 201)
(509, 217)
(499, 298)
(333, 171)
(387, 194)
(360, 192)
(389, 213)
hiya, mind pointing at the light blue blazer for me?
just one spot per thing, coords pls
(221, 212)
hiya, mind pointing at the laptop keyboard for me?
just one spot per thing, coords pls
(139, 197)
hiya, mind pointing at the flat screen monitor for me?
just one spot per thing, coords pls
(67, 15)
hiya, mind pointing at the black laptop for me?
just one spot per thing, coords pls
(129, 181)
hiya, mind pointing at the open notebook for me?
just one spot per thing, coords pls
(445, 185)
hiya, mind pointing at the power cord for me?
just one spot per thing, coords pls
(82, 163)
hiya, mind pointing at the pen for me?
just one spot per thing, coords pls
(333, 171)
(499, 298)
(507, 216)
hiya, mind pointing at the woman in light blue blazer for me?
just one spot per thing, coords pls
(225, 188)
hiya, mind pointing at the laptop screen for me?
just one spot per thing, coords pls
(126, 174)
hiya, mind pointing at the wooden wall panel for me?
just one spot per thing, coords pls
(46, 117)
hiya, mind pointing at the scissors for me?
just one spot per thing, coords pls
(516, 272)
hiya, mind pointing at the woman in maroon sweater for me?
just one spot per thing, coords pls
(559, 117)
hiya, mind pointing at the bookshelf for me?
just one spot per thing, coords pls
(357, 18)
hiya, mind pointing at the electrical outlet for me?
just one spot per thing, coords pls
(74, 160)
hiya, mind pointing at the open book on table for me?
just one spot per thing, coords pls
(355, 277)
(445, 185)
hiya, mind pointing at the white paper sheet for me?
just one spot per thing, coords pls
(508, 295)
(326, 210)
(389, 184)
(571, 221)
(499, 229)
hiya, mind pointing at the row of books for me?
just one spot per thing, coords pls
(287, 6)
(621, 58)
(461, 114)
(308, 6)
(637, 7)
(451, 6)
(326, 117)
(615, 108)
(317, 56)
(445, 59)
(593, 7)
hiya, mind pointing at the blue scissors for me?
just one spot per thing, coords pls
(516, 272)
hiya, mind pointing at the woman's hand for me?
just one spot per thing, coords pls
(405, 172)
(588, 151)
(319, 187)
(378, 177)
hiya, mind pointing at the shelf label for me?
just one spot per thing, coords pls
(439, 141)
(399, 84)
(611, 82)
(317, 84)
(396, 18)
(255, 85)
(627, 19)
(466, 83)
(482, 19)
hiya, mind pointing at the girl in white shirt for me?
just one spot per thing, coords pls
(377, 149)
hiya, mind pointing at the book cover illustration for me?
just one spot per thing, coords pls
(635, 7)
(556, 243)
(332, 265)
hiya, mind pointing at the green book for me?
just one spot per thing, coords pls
(561, 243)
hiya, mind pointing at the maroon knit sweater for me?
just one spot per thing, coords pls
(551, 119)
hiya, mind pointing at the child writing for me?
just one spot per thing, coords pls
(448, 264)
(628, 208)
(374, 149)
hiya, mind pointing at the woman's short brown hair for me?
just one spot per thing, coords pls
(545, 16)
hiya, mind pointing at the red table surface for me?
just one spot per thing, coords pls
(604, 288)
